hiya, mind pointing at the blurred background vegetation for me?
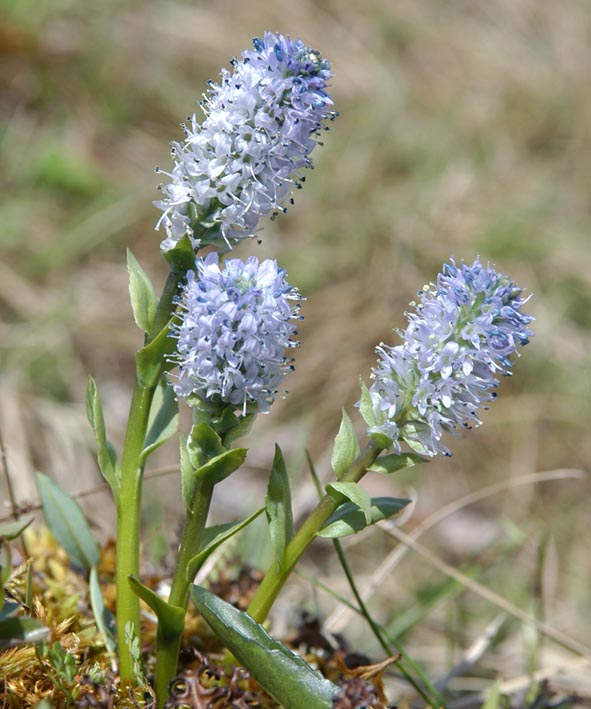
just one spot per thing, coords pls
(463, 130)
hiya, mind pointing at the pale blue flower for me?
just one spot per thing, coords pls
(235, 325)
(246, 157)
(463, 333)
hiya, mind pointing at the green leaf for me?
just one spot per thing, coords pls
(151, 359)
(388, 464)
(213, 537)
(188, 479)
(5, 568)
(494, 696)
(106, 456)
(351, 491)
(278, 507)
(163, 420)
(366, 406)
(141, 293)
(218, 468)
(103, 618)
(349, 519)
(346, 447)
(16, 631)
(11, 530)
(232, 427)
(284, 675)
(171, 619)
(203, 445)
(182, 257)
(67, 523)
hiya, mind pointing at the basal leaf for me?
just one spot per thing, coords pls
(164, 417)
(67, 523)
(346, 447)
(103, 618)
(11, 530)
(349, 519)
(278, 507)
(213, 537)
(283, 674)
(16, 631)
(141, 293)
(340, 491)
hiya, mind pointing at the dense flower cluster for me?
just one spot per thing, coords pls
(233, 331)
(243, 160)
(463, 333)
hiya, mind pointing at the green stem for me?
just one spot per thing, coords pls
(130, 493)
(128, 526)
(169, 643)
(275, 578)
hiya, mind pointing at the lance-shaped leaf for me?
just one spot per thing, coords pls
(16, 631)
(103, 618)
(151, 359)
(341, 491)
(346, 447)
(67, 523)
(11, 530)
(284, 675)
(366, 406)
(5, 568)
(163, 420)
(218, 468)
(278, 507)
(387, 464)
(106, 456)
(171, 619)
(188, 479)
(349, 519)
(141, 293)
(213, 537)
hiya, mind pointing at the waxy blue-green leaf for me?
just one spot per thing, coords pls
(387, 464)
(213, 537)
(11, 530)
(346, 447)
(163, 420)
(16, 631)
(220, 467)
(103, 617)
(142, 295)
(67, 523)
(283, 674)
(171, 619)
(106, 456)
(340, 491)
(278, 507)
(203, 445)
(349, 519)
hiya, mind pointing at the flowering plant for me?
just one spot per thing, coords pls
(221, 338)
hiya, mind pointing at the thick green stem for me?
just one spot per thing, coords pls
(128, 527)
(275, 578)
(169, 643)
